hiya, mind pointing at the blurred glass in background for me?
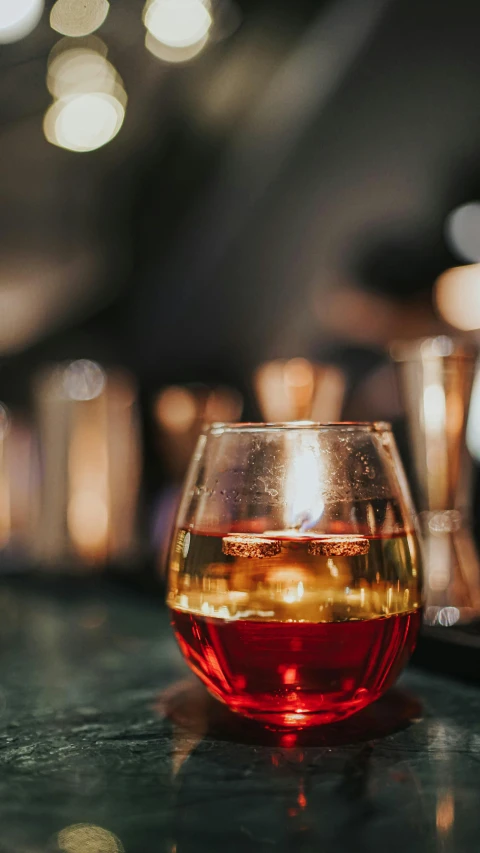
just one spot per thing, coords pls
(16, 485)
(90, 463)
(436, 379)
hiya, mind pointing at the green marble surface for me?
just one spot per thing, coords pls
(107, 744)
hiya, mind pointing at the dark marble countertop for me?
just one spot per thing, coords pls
(107, 744)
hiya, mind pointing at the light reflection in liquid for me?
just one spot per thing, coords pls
(445, 813)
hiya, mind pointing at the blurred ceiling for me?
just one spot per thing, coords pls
(320, 143)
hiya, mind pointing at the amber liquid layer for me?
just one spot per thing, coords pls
(303, 631)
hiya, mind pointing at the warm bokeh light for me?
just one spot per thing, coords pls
(91, 42)
(177, 23)
(180, 414)
(457, 294)
(177, 30)
(173, 54)
(445, 812)
(72, 18)
(88, 522)
(84, 122)
(88, 838)
(83, 380)
(80, 70)
(299, 380)
(176, 409)
(4, 421)
(5, 510)
(90, 99)
(473, 424)
(18, 18)
(298, 389)
(223, 404)
(462, 230)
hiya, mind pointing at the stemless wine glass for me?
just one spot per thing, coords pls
(295, 576)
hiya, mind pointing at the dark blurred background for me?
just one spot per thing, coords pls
(190, 190)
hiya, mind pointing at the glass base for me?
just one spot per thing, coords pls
(286, 720)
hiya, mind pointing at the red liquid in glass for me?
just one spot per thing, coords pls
(297, 673)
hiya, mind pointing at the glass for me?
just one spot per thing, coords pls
(295, 576)
(436, 378)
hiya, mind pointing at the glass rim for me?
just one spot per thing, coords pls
(292, 426)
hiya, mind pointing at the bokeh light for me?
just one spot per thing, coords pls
(177, 30)
(87, 838)
(173, 54)
(473, 423)
(176, 409)
(178, 23)
(457, 295)
(83, 380)
(80, 70)
(84, 122)
(72, 18)
(462, 231)
(89, 106)
(18, 18)
(88, 522)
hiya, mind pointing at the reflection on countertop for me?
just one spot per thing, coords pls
(107, 744)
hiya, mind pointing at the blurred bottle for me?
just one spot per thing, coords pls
(436, 378)
(180, 412)
(90, 463)
(297, 389)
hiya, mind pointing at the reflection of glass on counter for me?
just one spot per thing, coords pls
(90, 464)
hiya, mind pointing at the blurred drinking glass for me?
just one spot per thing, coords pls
(16, 487)
(90, 454)
(436, 378)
